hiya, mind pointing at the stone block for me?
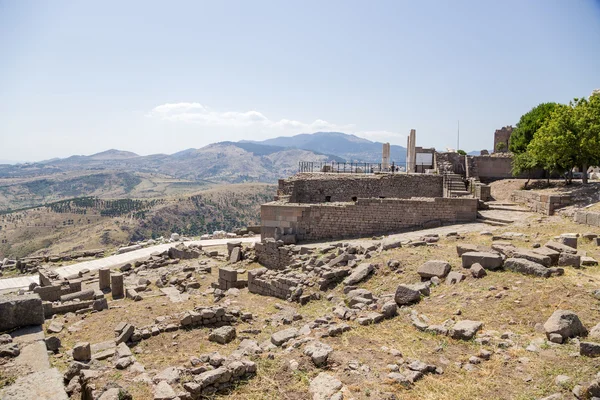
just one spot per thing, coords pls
(104, 278)
(527, 267)
(434, 268)
(83, 295)
(491, 261)
(82, 351)
(228, 274)
(117, 286)
(17, 311)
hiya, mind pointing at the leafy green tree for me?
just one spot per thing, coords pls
(553, 145)
(462, 152)
(528, 125)
(569, 138)
(586, 114)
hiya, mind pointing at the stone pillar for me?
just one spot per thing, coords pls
(385, 157)
(411, 155)
(104, 278)
(116, 286)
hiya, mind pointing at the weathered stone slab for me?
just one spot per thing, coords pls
(17, 311)
(491, 261)
(547, 251)
(41, 385)
(359, 274)
(544, 260)
(561, 248)
(526, 267)
(465, 330)
(433, 268)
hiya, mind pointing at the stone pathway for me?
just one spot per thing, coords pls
(40, 382)
(114, 261)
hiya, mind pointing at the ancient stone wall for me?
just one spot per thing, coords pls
(274, 254)
(588, 218)
(499, 166)
(321, 188)
(540, 202)
(362, 218)
(54, 291)
(450, 162)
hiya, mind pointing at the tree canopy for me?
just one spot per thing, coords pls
(528, 125)
(567, 137)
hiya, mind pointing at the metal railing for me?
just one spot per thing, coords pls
(355, 167)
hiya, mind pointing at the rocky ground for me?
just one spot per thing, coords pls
(398, 327)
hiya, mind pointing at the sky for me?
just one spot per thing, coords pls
(80, 77)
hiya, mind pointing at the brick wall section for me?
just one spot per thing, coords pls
(260, 282)
(541, 202)
(315, 188)
(587, 218)
(274, 254)
(362, 218)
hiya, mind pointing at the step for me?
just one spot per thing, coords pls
(494, 219)
(492, 223)
(507, 208)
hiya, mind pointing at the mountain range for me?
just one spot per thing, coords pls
(348, 147)
(223, 162)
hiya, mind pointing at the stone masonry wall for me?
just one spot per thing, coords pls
(588, 218)
(274, 254)
(320, 188)
(362, 218)
(540, 202)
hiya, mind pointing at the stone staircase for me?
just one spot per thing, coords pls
(505, 206)
(493, 221)
(454, 186)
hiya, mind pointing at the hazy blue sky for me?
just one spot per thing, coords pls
(79, 77)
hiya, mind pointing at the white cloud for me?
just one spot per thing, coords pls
(196, 113)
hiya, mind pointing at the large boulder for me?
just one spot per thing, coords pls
(564, 323)
(222, 335)
(318, 352)
(527, 267)
(407, 294)
(491, 261)
(433, 268)
(82, 351)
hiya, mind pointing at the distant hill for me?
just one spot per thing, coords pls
(348, 147)
(116, 174)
